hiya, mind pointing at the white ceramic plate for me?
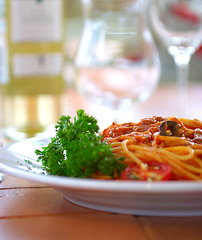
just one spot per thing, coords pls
(139, 198)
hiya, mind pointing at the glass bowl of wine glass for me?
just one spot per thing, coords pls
(117, 63)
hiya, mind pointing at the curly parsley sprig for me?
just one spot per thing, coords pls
(77, 150)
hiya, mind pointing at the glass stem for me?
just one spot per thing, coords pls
(182, 69)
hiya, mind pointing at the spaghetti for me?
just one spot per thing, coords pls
(173, 142)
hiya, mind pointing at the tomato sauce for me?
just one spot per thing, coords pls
(138, 132)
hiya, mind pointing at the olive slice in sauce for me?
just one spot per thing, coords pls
(170, 128)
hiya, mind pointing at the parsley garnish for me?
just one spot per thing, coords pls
(77, 150)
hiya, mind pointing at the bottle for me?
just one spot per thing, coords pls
(35, 39)
(3, 50)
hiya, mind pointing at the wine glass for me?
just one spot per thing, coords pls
(178, 24)
(117, 63)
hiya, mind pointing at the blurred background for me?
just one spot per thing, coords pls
(74, 24)
(73, 29)
(168, 75)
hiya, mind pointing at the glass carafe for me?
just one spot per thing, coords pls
(117, 63)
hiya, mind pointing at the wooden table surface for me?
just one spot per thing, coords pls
(29, 210)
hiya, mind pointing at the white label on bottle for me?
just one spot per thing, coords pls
(37, 64)
(36, 20)
(3, 62)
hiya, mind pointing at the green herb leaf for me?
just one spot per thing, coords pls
(77, 150)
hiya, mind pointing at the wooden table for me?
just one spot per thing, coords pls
(33, 211)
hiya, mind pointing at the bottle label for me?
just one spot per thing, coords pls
(3, 61)
(37, 64)
(36, 20)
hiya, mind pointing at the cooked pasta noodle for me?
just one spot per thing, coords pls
(173, 141)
